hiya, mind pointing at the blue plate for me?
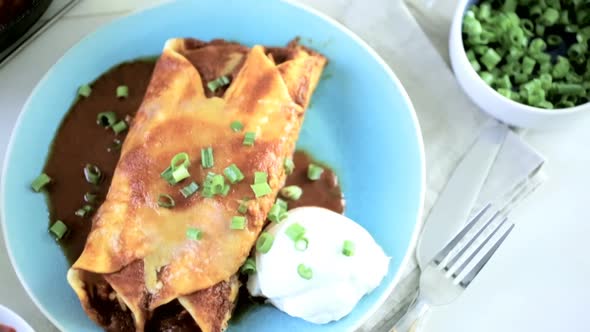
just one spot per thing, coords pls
(361, 122)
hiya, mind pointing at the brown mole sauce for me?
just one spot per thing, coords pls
(80, 141)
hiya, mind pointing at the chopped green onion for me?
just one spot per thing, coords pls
(92, 173)
(537, 46)
(476, 66)
(249, 138)
(116, 146)
(233, 173)
(236, 126)
(208, 189)
(503, 82)
(225, 190)
(301, 244)
(554, 40)
(122, 91)
(178, 169)
(84, 90)
(119, 127)
(264, 242)
(207, 160)
(179, 174)
(261, 189)
(487, 77)
(348, 248)
(82, 212)
(218, 83)
(189, 190)
(283, 204)
(550, 17)
(106, 119)
(58, 229)
(528, 64)
(166, 201)
(314, 172)
(277, 213)
(90, 197)
(289, 166)
(41, 181)
(238, 222)
(568, 89)
(217, 183)
(181, 159)
(194, 234)
(295, 231)
(561, 68)
(249, 267)
(243, 207)
(292, 192)
(490, 59)
(260, 177)
(304, 272)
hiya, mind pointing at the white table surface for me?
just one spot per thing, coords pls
(538, 280)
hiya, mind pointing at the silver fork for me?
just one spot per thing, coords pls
(457, 264)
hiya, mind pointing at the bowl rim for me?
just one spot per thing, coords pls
(21, 322)
(409, 254)
(456, 33)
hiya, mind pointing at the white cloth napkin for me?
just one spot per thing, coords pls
(450, 122)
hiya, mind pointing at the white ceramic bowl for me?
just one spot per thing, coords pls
(500, 107)
(11, 319)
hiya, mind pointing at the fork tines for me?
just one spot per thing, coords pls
(467, 253)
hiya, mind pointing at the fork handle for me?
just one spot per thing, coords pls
(410, 322)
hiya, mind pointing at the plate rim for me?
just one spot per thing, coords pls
(293, 3)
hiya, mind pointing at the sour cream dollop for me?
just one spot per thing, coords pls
(337, 281)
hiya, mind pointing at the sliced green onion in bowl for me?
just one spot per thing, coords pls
(40, 182)
(166, 201)
(264, 242)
